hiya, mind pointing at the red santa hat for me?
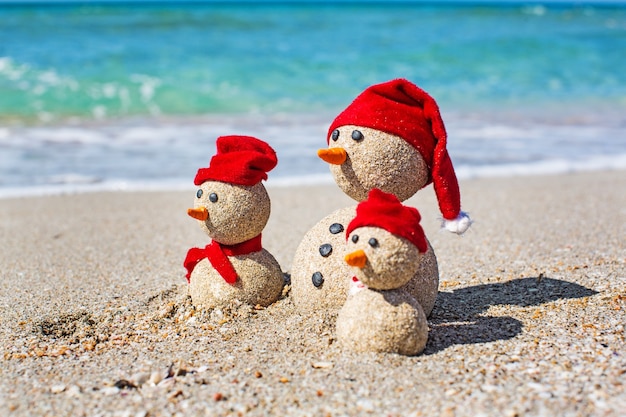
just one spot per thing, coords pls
(241, 160)
(384, 210)
(401, 108)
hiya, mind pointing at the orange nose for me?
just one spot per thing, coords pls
(357, 258)
(199, 213)
(335, 156)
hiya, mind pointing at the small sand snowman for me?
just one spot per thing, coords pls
(385, 242)
(232, 207)
(391, 137)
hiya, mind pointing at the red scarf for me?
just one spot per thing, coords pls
(218, 254)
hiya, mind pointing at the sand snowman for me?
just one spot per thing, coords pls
(385, 242)
(232, 207)
(391, 137)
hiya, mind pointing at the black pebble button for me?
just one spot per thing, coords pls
(326, 249)
(335, 228)
(318, 279)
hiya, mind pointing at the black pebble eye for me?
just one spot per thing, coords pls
(373, 242)
(213, 198)
(318, 279)
(357, 135)
(199, 193)
(355, 238)
(335, 135)
(335, 228)
(326, 249)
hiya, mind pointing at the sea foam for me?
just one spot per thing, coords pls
(164, 154)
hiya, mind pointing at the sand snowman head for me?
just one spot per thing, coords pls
(385, 242)
(232, 205)
(392, 137)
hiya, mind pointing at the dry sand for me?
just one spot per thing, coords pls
(95, 318)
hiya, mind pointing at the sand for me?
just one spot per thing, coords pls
(95, 319)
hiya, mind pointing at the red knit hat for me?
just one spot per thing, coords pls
(384, 210)
(401, 108)
(241, 160)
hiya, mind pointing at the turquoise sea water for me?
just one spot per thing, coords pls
(94, 94)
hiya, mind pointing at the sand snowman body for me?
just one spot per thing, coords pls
(260, 281)
(382, 321)
(320, 255)
(233, 215)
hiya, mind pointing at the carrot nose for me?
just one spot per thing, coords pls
(335, 156)
(200, 213)
(357, 258)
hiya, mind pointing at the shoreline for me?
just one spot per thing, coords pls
(600, 164)
(529, 319)
(165, 154)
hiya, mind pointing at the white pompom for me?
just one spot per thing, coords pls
(458, 225)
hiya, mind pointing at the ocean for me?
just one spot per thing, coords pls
(131, 96)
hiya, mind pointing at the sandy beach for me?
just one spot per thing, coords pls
(529, 321)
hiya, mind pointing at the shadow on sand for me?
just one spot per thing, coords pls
(456, 317)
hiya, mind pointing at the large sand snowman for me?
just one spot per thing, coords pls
(391, 137)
